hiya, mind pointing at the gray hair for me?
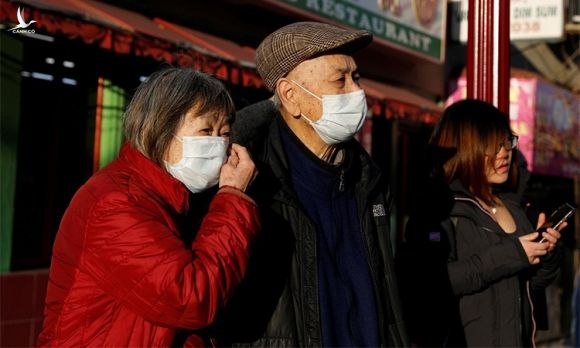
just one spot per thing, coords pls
(161, 103)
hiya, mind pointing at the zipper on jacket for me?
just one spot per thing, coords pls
(376, 288)
(373, 275)
(366, 217)
(519, 309)
(341, 181)
(531, 314)
(294, 204)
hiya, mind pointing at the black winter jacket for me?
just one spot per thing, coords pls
(277, 304)
(485, 282)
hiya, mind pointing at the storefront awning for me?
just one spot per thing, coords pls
(127, 32)
(225, 48)
(401, 103)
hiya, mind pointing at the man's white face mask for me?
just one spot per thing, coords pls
(201, 162)
(342, 117)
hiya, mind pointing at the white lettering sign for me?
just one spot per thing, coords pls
(529, 20)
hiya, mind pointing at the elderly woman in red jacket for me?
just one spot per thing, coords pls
(123, 273)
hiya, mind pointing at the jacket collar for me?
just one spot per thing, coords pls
(461, 194)
(155, 178)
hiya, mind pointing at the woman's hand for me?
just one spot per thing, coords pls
(239, 170)
(533, 249)
(551, 235)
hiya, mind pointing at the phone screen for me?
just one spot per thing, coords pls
(556, 219)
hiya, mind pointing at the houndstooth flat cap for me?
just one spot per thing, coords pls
(284, 49)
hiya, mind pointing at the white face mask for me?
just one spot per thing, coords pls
(201, 162)
(342, 117)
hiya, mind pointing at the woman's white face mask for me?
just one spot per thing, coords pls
(342, 117)
(201, 162)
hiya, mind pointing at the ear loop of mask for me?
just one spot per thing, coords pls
(307, 91)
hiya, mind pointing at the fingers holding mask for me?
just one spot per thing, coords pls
(233, 158)
(239, 170)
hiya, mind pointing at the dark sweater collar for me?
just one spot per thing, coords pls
(308, 172)
(291, 141)
(362, 170)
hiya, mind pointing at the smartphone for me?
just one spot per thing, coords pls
(555, 220)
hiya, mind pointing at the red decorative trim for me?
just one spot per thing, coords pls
(128, 42)
(399, 110)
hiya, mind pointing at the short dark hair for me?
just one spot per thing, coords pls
(473, 129)
(161, 102)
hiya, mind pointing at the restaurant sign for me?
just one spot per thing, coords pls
(416, 26)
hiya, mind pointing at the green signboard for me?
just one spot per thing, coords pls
(417, 26)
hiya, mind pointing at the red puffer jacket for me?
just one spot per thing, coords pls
(122, 277)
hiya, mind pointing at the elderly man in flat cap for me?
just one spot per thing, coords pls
(322, 274)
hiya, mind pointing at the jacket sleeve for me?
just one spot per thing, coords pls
(547, 270)
(139, 260)
(478, 271)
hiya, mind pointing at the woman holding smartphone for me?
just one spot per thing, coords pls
(490, 259)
